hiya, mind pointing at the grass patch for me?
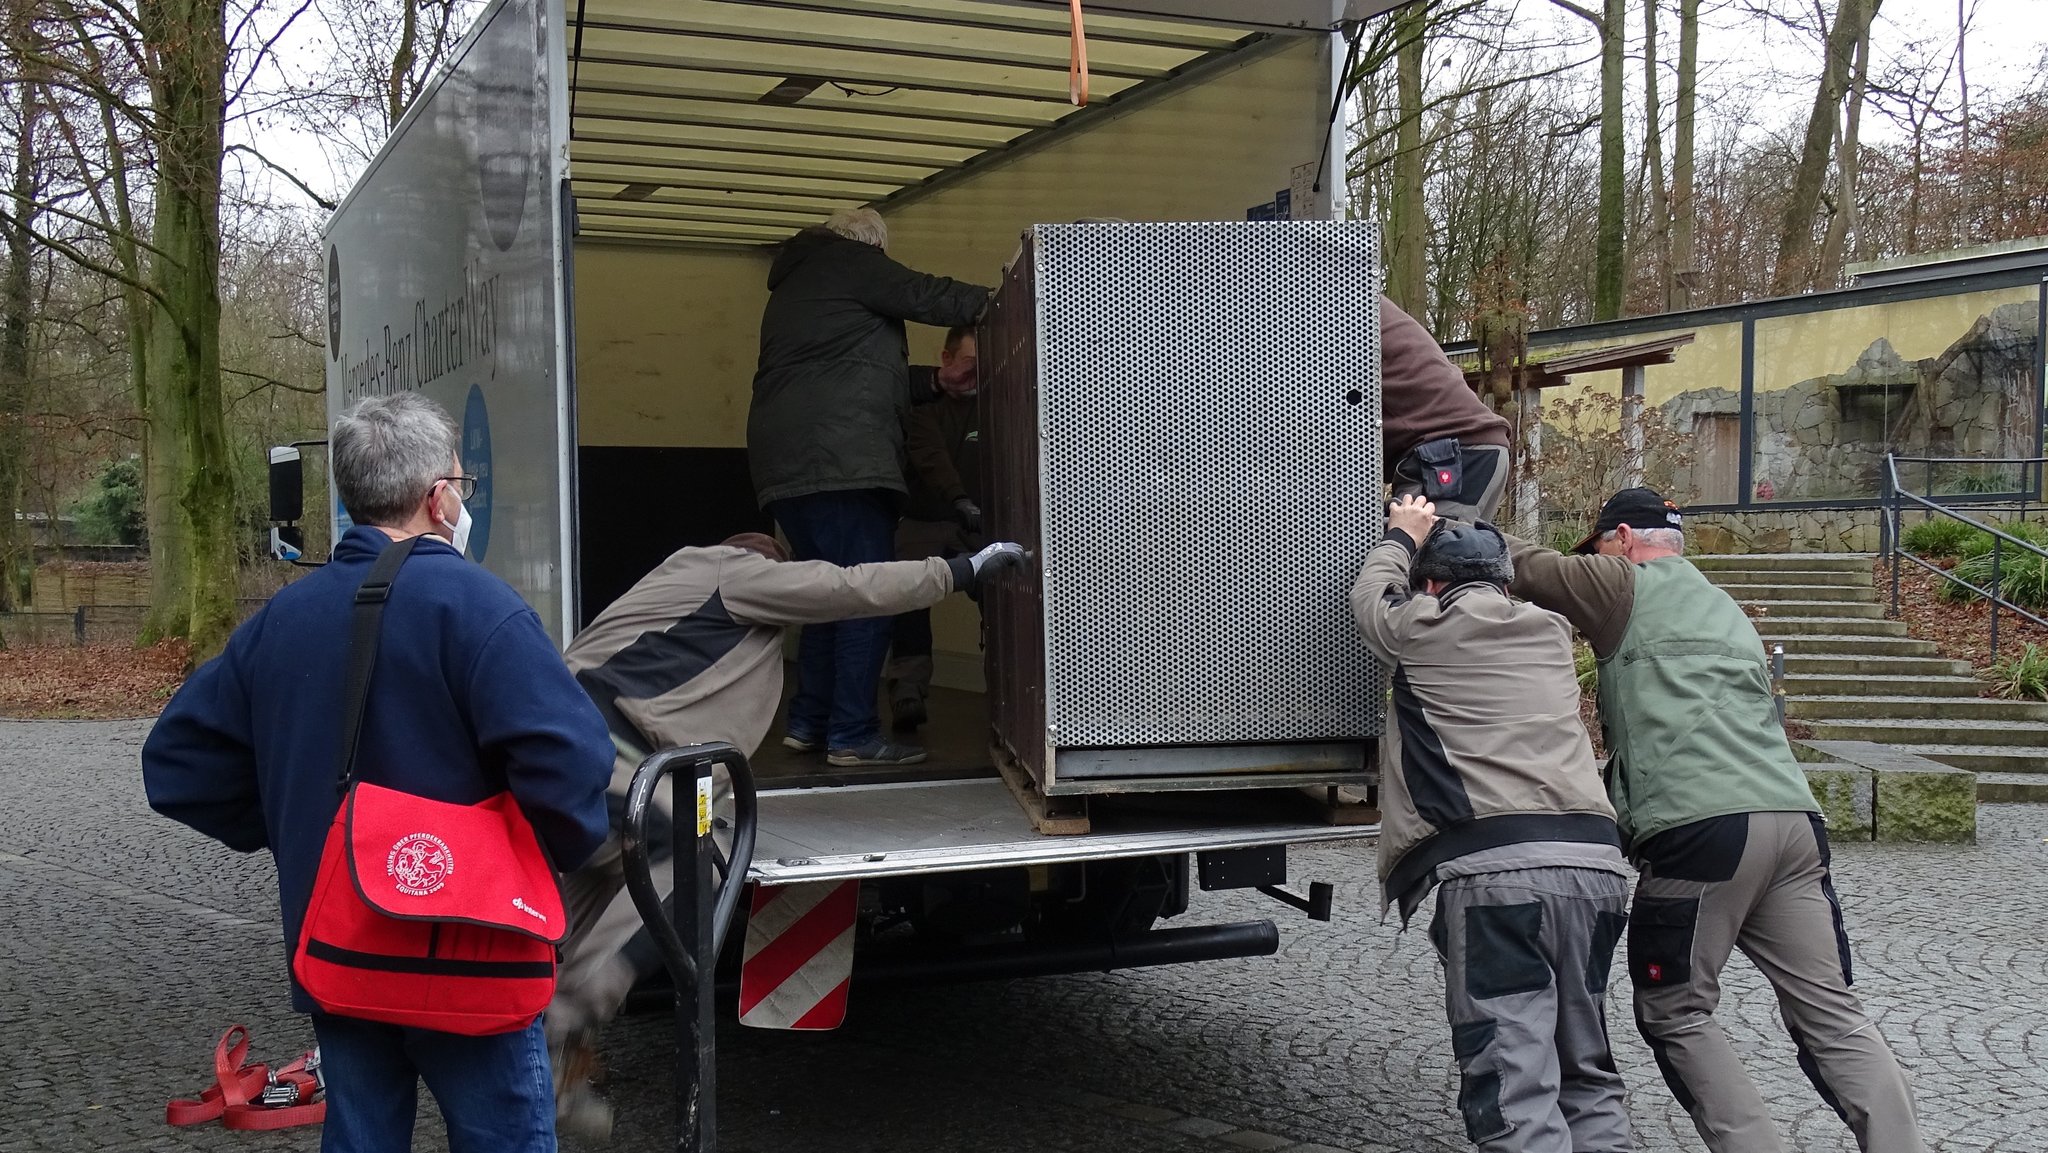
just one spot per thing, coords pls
(1938, 538)
(2022, 677)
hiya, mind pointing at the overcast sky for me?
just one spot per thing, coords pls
(1747, 64)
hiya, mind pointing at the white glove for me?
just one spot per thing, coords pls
(996, 558)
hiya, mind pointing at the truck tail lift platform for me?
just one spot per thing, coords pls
(945, 829)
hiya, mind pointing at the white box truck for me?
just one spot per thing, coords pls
(566, 241)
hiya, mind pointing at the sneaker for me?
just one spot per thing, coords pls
(797, 744)
(909, 713)
(876, 753)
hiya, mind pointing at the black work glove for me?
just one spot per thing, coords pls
(969, 514)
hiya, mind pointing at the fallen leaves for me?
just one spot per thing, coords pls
(1962, 631)
(94, 682)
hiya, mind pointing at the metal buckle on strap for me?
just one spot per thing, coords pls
(277, 1095)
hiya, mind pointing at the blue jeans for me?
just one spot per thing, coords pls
(839, 665)
(496, 1093)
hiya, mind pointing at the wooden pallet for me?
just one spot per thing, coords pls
(1051, 816)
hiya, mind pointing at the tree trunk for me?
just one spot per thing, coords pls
(1795, 272)
(1684, 215)
(1653, 151)
(1609, 256)
(189, 44)
(17, 551)
(1407, 248)
(401, 64)
(1834, 249)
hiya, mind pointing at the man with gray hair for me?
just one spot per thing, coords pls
(825, 445)
(468, 698)
(1724, 831)
(1489, 796)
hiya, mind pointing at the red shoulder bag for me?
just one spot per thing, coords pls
(424, 913)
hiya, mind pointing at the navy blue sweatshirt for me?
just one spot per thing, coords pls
(469, 697)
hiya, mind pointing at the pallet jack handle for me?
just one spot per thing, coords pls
(690, 931)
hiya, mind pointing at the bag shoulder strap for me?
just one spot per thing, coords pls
(362, 649)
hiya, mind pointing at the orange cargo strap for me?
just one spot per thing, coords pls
(1077, 61)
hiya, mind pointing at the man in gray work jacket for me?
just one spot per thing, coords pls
(692, 654)
(1726, 835)
(1488, 790)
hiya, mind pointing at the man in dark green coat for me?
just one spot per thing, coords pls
(825, 444)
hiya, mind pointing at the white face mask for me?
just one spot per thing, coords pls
(458, 533)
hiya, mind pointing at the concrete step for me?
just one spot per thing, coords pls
(2009, 788)
(1829, 664)
(1989, 758)
(1789, 626)
(1778, 562)
(1853, 610)
(1867, 684)
(1842, 577)
(2020, 738)
(1877, 708)
(1833, 594)
(1844, 645)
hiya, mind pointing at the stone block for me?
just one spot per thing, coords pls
(1934, 803)
(1914, 799)
(1848, 798)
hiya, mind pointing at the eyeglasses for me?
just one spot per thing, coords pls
(464, 486)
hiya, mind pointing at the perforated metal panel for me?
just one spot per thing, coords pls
(1207, 479)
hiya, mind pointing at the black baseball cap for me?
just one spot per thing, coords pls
(1638, 508)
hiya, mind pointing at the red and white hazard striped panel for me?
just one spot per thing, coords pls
(799, 955)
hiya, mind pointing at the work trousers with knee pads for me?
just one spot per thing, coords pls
(1526, 955)
(1758, 882)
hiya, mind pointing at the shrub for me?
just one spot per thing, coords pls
(2022, 578)
(1978, 543)
(112, 512)
(1938, 538)
(1588, 668)
(2022, 677)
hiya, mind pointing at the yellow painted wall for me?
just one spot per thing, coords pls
(1790, 349)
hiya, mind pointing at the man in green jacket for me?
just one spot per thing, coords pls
(1723, 830)
(825, 445)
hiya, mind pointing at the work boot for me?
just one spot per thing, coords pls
(875, 753)
(907, 711)
(579, 1109)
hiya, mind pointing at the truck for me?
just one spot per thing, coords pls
(566, 241)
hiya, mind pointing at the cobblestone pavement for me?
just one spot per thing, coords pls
(132, 942)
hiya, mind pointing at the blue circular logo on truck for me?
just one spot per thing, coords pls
(476, 461)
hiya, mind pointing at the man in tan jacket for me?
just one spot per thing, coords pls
(693, 653)
(1490, 797)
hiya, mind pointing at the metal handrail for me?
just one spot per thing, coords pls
(1890, 526)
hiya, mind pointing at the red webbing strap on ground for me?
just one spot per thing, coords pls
(1077, 60)
(235, 1097)
(258, 1116)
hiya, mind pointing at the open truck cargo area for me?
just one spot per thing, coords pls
(567, 242)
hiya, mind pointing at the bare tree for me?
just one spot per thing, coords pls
(1610, 256)
(1653, 156)
(1795, 271)
(1684, 216)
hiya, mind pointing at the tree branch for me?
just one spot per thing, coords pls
(264, 382)
(1586, 14)
(86, 262)
(301, 185)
